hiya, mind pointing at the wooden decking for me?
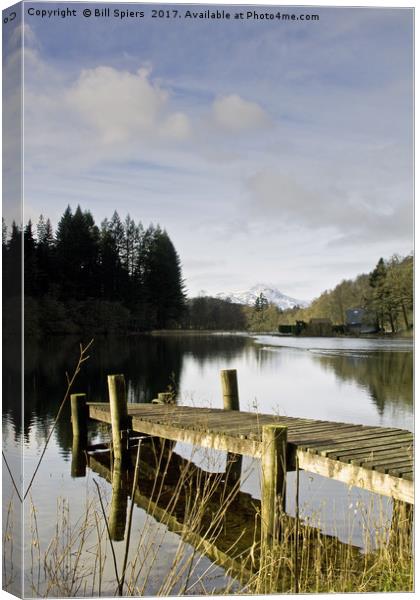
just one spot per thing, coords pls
(374, 458)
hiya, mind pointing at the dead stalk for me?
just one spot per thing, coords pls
(130, 519)
(108, 532)
(70, 381)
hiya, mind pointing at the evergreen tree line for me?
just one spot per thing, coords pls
(119, 276)
(123, 277)
(208, 313)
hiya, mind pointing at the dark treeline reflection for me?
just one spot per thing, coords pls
(150, 364)
(388, 376)
(154, 363)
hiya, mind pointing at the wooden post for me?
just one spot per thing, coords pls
(79, 415)
(118, 509)
(229, 379)
(119, 416)
(274, 473)
(79, 420)
(230, 389)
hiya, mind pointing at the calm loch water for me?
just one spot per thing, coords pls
(339, 379)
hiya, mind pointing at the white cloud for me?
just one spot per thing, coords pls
(121, 105)
(176, 126)
(233, 114)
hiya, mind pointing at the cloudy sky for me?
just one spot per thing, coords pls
(270, 151)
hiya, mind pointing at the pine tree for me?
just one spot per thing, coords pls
(111, 271)
(131, 245)
(116, 229)
(77, 244)
(4, 232)
(13, 265)
(378, 299)
(163, 286)
(45, 256)
(261, 303)
(30, 262)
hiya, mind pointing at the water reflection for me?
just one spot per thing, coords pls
(388, 376)
(152, 364)
(207, 510)
(78, 458)
(337, 381)
(356, 380)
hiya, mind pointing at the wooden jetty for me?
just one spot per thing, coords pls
(376, 459)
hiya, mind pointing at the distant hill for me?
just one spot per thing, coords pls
(272, 294)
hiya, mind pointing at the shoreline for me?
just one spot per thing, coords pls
(407, 335)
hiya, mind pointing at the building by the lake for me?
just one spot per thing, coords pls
(359, 320)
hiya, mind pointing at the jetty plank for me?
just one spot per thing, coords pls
(355, 439)
(375, 458)
(393, 451)
(404, 440)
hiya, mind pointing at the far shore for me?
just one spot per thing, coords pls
(157, 332)
(197, 332)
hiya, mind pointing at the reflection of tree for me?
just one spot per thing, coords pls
(12, 380)
(209, 346)
(387, 375)
(150, 364)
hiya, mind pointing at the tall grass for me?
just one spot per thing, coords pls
(217, 528)
(327, 565)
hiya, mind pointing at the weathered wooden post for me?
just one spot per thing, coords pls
(118, 509)
(79, 415)
(230, 389)
(274, 473)
(79, 419)
(229, 379)
(119, 416)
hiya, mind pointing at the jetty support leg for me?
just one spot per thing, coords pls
(229, 379)
(79, 419)
(274, 473)
(119, 417)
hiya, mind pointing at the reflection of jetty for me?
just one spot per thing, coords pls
(221, 522)
(374, 458)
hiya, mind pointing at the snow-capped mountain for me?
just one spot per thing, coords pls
(272, 294)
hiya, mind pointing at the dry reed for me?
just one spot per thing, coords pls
(197, 507)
